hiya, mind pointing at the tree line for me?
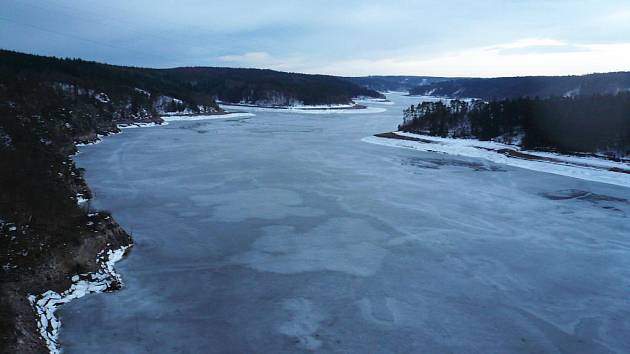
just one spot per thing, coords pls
(596, 123)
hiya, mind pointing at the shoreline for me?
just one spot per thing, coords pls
(104, 277)
(194, 117)
(305, 110)
(69, 271)
(586, 168)
(103, 244)
(104, 280)
(302, 107)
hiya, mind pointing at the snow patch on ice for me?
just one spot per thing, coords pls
(206, 117)
(338, 109)
(587, 168)
(367, 100)
(46, 304)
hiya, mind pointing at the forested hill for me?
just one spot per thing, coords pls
(530, 86)
(193, 86)
(394, 83)
(269, 87)
(128, 93)
(594, 124)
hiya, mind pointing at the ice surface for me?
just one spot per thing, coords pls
(303, 324)
(329, 247)
(285, 233)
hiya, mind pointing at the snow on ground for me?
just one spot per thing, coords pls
(140, 125)
(382, 101)
(81, 199)
(587, 168)
(206, 117)
(46, 304)
(339, 109)
(144, 92)
(98, 139)
(102, 97)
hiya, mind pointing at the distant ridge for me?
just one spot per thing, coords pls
(528, 86)
(394, 82)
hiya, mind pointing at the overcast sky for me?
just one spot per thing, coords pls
(342, 37)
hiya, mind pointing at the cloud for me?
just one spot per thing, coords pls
(536, 45)
(532, 42)
(262, 60)
(249, 58)
(498, 60)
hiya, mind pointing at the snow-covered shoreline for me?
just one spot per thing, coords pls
(206, 117)
(140, 125)
(46, 304)
(123, 126)
(105, 279)
(320, 109)
(586, 168)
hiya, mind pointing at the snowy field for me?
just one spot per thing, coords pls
(286, 233)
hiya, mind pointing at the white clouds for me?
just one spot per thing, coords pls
(521, 57)
(263, 60)
(532, 42)
(500, 60)
(536, 45)
(250, 58)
